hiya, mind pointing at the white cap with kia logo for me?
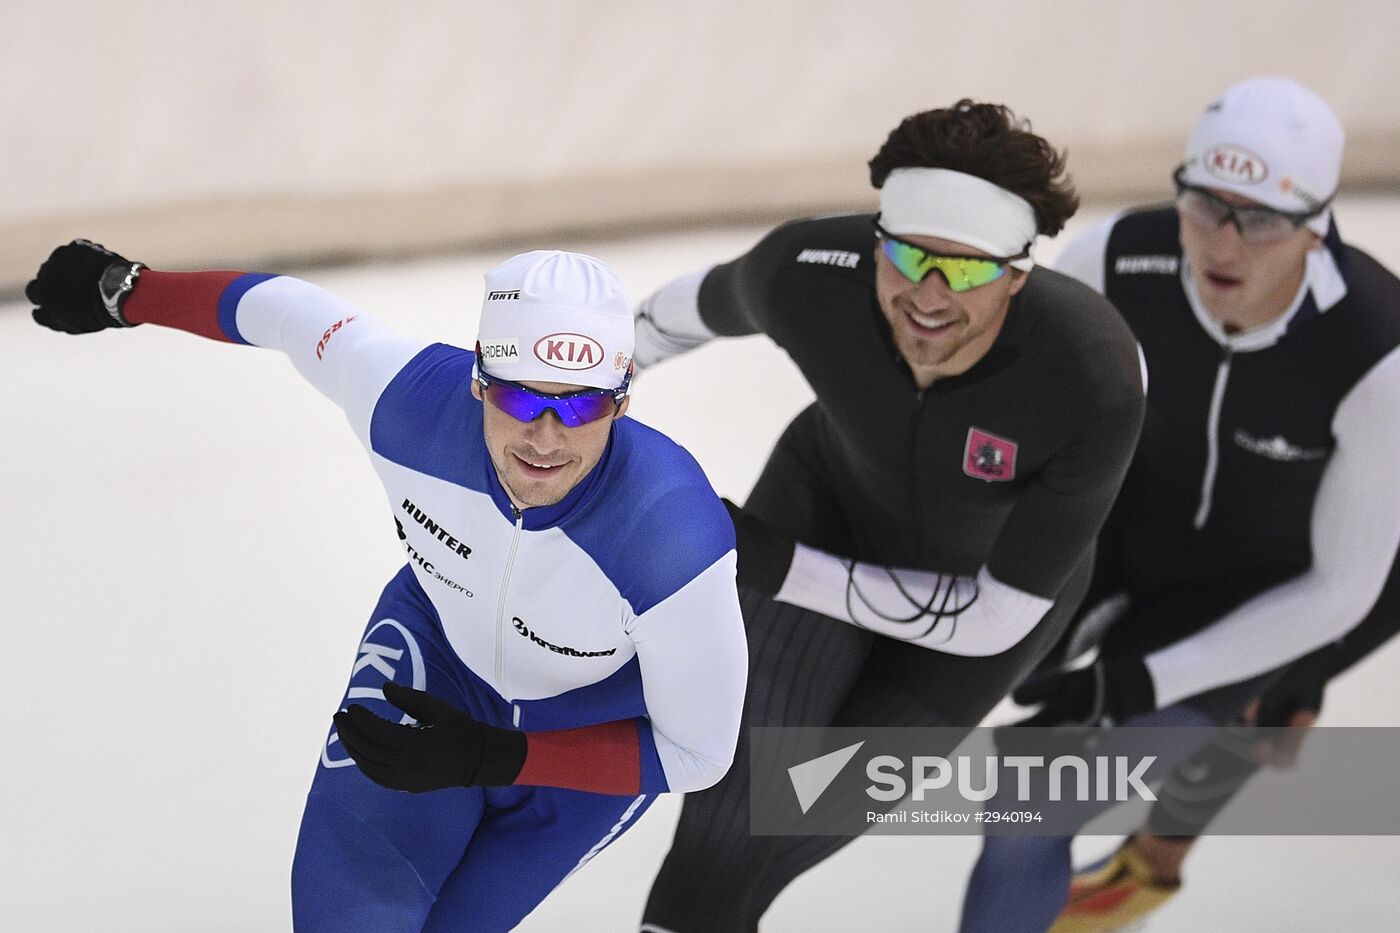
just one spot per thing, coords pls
(552, 316)
(1273, 141)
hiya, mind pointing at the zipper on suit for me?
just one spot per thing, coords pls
(501, 601)
(1217, 397)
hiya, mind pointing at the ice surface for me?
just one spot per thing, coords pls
(193, 541)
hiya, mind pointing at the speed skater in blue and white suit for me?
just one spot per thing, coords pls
(565, 641)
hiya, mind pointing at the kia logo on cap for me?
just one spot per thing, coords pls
(1235, 164)
(569, 351)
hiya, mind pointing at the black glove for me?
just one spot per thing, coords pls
(67, 289)
(1105, 693)
(1299, 690)
(765, 554)
(447, 748)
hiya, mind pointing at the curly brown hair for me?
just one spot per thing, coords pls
(989, 141)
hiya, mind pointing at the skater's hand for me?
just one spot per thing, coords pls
(1293, 702)
(765, 554)
(1105, 693)
(445, 748)
(1281, 748)
(67, 291)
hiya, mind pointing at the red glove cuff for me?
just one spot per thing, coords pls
(183, 300)
(601, 759)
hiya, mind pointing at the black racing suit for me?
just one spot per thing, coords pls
(1261, 509)
(1260, 517)
(882, 472)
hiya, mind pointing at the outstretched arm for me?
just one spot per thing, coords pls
(727, 300)
(347, 356)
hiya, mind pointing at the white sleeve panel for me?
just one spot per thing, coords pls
(955, 615)
(694, 664)
(1355, 534)
(668, 322)
(347, 356)
(1083, 257)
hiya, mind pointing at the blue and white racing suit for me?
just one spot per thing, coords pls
(614, 608)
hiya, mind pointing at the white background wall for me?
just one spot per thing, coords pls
(259, 130)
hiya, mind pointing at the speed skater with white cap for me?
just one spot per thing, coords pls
(1251, 555)
(564, 642)
(922, 532)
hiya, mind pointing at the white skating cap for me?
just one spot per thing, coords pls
(1271, 140)
(550, 316)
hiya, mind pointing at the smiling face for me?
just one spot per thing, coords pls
(1243, 285)
(538, 462)
(940, 332)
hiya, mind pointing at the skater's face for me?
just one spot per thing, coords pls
(1243, 283)
(940, 332)
(539, 461)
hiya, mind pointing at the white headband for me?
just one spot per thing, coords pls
(960, 207)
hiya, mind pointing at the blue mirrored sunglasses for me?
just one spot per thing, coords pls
(573, 408)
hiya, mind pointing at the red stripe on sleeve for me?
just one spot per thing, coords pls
(601, 759)
(184, 300)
